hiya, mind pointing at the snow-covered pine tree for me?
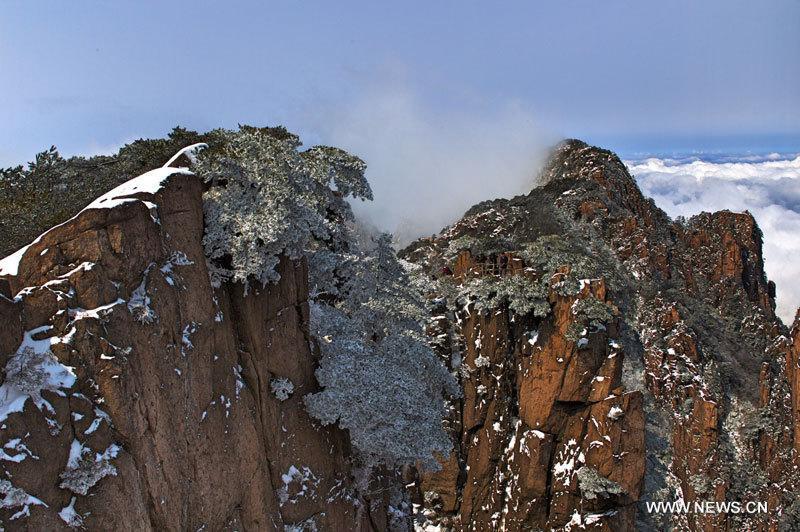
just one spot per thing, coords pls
(381, 380)
(268, 199)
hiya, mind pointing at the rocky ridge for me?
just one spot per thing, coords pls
(609, 357)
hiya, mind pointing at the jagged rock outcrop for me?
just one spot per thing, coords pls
(137, 397)
(610, 357)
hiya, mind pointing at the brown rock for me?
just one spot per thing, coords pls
(202, 441)
(533, 413)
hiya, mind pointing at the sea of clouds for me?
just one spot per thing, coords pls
(766, 185)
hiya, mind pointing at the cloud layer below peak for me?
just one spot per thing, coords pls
(766, 185)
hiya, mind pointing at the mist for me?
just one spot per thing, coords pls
(427, 166)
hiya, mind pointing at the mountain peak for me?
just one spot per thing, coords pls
(575, 159)
(564, 305)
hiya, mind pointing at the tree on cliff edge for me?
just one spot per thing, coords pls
(381, 380)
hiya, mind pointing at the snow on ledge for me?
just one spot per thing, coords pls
(189, 151)
(10, 264)
(149, 182)
(34, 368)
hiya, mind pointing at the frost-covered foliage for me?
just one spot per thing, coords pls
(282, 388)
(764, 420)
(746, 478)
(27, 371)
(791, 514)
(522, 294)
(85, 469)
(14, 497)
(548, 254)
(553, 261)
(30, 371)
(381, 380)
(139, 303)
(701, 484)
(483, 246)
(593, 484)
(591, 315)
(591, 309)
(87, 474)
(268, 199)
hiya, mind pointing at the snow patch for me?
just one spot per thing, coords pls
(139, 303)
(534, 336)
(149, 183)
(14, 497)
(189, 151)
(95, 313)
(70, 516)
(282, 388)
(33, 368)
(186, 340)
(564, 468)
(615, 413)
(84, 470)
(22, 452)
(297, 484)
(237, 373)
(482, 361)
(10, 264)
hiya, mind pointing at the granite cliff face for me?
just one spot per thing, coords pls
(609, 357)
(143, 399)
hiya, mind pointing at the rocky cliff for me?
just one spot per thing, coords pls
(609, 357)
(138, 397)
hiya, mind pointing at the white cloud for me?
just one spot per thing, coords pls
(768, 187)
(428, 165)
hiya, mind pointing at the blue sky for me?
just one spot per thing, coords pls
(449, 102)
(635, 76)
